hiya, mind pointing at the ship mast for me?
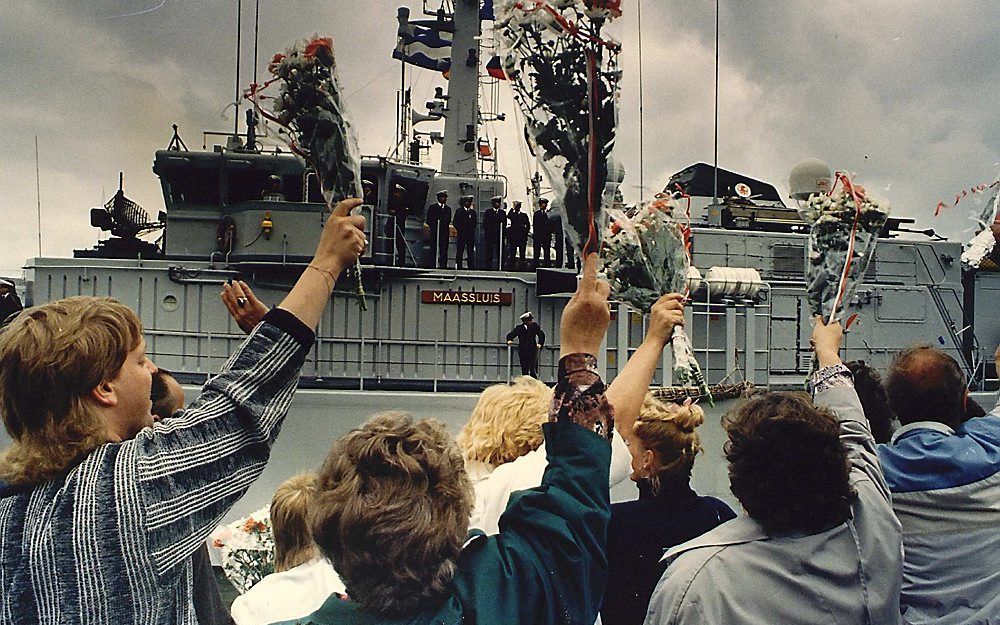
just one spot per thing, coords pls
(461, 126)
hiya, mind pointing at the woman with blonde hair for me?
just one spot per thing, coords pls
(502, 441)
(663, 444)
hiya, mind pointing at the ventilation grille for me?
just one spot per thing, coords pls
(789, 261)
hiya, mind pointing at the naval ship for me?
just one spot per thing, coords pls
(241, 210)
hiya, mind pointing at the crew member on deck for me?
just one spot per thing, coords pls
(556, 232)
(517, 236)
(541, 233)
(10, 303)
(465, 226)
(530, 339)
(439, 221)
(493, 219)
(395, 226)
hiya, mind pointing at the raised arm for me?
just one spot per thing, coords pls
(833, 388)
(629, 388)
(548, 563)
(187, 473)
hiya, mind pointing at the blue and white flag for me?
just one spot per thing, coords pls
(437, 59)
(424, 43)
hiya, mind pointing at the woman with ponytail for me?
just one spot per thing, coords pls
(663, 444)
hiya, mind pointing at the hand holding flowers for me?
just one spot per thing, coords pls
(646, 254)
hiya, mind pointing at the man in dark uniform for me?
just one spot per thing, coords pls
(465, 226)
(10, 303)
(530, 339)
(517, 235)
(439, 221)
(541, 233)
(395, 225)
(556, 228)
(493, 219)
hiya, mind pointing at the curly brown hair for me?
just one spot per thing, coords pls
(787, 465)
(391, 512)
(51, 357)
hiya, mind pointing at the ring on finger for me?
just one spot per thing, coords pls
(241, 301)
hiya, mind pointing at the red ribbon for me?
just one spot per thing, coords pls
(979, 188)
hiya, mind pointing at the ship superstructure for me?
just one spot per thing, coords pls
(243, 211)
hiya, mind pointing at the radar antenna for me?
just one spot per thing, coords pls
(123, 217)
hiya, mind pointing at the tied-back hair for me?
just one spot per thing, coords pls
(392, 510)
(290, 513)
(51, 357)
(926, 384)
(787, 465)
(506, 422)
(669, 433)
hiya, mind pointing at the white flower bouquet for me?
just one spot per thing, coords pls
(565, 76)
(646, 254)
(247, 549)
(313, 120)
(845, 227)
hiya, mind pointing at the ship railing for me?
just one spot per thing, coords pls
(731, 340)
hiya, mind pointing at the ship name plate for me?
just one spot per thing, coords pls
(475, 298)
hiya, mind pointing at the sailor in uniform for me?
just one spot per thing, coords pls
(493, 219)
(541, 232)
(465, 226)
(10, 303)
(517, 235)
(439, 222)
(530, 339)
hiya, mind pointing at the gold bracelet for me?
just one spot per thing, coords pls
(325, 272)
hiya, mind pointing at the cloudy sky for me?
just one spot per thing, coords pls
(902, 93)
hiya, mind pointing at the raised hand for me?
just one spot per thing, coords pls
(667, 312)
(343, 239)
(243, 305)
(586, 317)
(825, 341)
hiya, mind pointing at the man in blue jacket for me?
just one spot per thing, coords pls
(944, 474)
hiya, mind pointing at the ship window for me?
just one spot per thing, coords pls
(193, 185)
(245, 185)
(789, 260)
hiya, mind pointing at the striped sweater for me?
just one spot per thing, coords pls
(112, 541)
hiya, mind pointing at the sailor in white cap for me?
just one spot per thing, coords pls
(10, 303)
(530, 339)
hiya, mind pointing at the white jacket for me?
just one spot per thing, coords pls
(291, 594)
(493, 489)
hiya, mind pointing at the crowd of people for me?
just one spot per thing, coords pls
(504, 235)
(114, 482)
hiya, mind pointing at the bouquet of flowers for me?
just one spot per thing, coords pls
(646, 254)
(247, 549)
(979, 251)
(845, 226)
(565, 76)
(314, 122)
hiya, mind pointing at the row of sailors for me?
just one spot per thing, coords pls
(505, 234)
